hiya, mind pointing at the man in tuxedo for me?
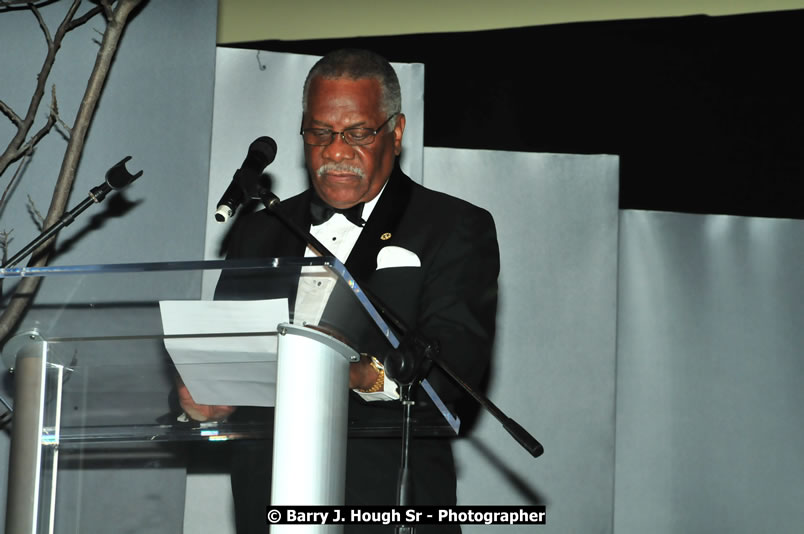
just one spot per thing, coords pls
(431, 258)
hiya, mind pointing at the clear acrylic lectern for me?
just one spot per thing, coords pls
(97, 428)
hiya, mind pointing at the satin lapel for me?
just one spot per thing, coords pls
(384, 220)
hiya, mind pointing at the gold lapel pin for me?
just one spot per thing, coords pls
(386, 236)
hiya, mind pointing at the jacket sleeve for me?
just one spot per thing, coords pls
(458, 303)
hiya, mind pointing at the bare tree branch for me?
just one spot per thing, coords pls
(54, 112)
(16, 148)
(38, 218)
(27, 3)
(86, 111)
(85, 17)
(52, 117)
(5, 240)
(107, 7)
(10, 113)
(42, 25)
(12, 182)
(115, 25)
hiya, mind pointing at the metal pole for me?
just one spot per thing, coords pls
(24, 481)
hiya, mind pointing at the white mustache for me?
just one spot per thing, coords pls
(335, 167)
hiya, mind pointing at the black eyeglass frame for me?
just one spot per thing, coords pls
(343, 133)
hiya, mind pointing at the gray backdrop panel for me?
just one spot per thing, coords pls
(553, 367)
(710, 371)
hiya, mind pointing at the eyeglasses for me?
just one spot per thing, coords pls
(350, 136)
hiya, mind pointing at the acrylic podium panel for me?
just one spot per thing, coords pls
(93, 340)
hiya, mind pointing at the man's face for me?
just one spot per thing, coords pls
(343, 174)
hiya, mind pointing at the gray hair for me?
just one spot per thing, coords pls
(357, 64)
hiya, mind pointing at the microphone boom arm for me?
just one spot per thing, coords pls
(117, 177)
(527, 441)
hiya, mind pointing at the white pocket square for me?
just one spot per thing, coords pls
(392, 256)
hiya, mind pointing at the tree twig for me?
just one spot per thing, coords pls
(116, 23)
(10, 113)
(28, 3)
(5, 240)
(33, 141)
(85, 17)
(54, 112)
(12, 182)
(16, 148)
(45, 29)
(37, 217)
(107, 8)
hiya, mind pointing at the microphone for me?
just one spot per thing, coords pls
(260, 154)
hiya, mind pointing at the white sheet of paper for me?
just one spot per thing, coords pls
(234, 370)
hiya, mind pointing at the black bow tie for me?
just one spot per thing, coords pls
(321, 212)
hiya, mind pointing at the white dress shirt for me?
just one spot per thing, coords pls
(339, 235)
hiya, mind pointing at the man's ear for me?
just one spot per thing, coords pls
(399, 129)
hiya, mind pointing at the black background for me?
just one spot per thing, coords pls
(705, 113)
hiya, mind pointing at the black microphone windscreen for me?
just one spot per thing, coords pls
(261, 153)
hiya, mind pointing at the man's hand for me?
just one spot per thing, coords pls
(200, 412)
(362, 375)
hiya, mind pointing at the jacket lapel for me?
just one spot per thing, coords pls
(383, 222)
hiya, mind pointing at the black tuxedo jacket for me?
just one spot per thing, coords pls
(451, 298)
